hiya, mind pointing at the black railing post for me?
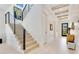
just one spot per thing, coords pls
(24, 35)
(14, 21)
(24, 39)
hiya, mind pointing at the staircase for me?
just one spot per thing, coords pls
(30, 43)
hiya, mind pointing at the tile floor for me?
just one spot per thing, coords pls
(59, 46)
(7, 49)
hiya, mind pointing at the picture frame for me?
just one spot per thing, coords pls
(51, 27)
(17, 13)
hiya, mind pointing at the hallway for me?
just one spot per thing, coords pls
(58, 46)
(40, 29)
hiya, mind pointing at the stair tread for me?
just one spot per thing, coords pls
(31, 47)
(28, 36)
(27, 42)
(30, 43)
(29, 39)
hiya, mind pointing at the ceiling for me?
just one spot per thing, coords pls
(61, 11)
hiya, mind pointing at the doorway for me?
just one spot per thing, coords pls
(64, 29)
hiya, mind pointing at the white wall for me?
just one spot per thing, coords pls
(74, 12)
(74, 17)
(38, 24)
(2, 27)
(48, 18)
(3, 8)
(44, 28)
(11, 39)
(10, 9)
(33, 23)
(52, 19)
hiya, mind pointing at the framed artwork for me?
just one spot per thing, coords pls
(64, 29)
(51, 27)
(17, 13)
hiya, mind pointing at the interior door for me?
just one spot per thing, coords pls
(64, 29)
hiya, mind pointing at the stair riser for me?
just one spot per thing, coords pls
(28, 50)
(30, 42)
(28, 45)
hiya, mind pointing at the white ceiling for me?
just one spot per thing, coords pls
(59, 10)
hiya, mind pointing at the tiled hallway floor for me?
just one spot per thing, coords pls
(57, 47)
(7, 49)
